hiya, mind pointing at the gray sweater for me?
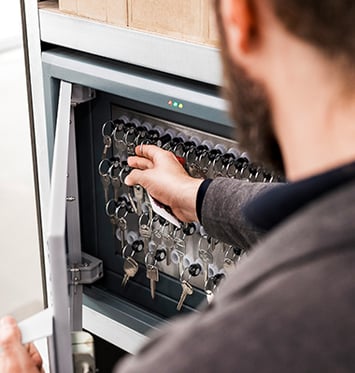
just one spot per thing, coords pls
(288, 308)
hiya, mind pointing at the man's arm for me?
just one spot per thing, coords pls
(222, 210)
(161, 174)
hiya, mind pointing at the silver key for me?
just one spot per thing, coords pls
(107, 145)
(116, 184)
(106, 182)
(120, 149)
(121, 230)
(145, 232)
(153, 276)
(186, 290)
(138, 192)
(132, 201)
(168, 241)
(130, 267)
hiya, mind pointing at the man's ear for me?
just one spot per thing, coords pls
(239, 24)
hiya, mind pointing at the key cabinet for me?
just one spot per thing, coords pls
(97, 90)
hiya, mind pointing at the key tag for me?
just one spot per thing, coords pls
(164, 211)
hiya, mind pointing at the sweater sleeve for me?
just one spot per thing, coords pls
(222, 213)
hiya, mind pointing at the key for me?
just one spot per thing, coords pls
(106, 182)
(116, 184)
(186, 290)
(122, 228)
(132, 201)
(113, 172)
(130, 267)
(107, 145)
(228, 264)
(206, 256)
(145, 232)
(212, 283)
(168, 242)
(138, 193)
(179, 243)
(153, 276)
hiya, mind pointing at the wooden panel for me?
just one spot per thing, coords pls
(117, 12)
(178, 18)
(212, 35)
(94, 9)
(69, 6)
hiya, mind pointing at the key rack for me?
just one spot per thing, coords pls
(155, 246)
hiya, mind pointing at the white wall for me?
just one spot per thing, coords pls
(20, 275)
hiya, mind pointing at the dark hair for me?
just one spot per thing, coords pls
(329, 25)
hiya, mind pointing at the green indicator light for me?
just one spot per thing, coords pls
(175, 104)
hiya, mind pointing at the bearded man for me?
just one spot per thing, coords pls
(289, 76)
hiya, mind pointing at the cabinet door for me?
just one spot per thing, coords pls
(27, 277)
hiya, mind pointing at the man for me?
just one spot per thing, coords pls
(289, 307)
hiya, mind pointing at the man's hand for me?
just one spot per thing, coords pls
(161, 174)
(14, 356)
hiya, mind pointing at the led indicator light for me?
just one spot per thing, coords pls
(176, 104)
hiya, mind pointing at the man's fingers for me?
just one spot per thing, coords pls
(149, 151)
(35, 355)
(134, 178)
(139, 162)
(9, 332)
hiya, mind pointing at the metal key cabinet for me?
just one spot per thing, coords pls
(114, 267)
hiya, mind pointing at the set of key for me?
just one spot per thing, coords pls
(186, 252)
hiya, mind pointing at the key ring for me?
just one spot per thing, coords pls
(147, 261)
(121, 207)
(125, 169)
(130, 131)
(111, 211)
(183, 274)
(124, 251)
(104, 126)
(117, 129)
(115, 166)
(101, 167)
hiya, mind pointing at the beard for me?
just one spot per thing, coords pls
(250, 110)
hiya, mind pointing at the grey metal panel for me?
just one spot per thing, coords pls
(56, 236)
(131, 83)
(193, 61)
(117, 321)
(73, 228)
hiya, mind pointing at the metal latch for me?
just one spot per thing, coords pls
(87, 272)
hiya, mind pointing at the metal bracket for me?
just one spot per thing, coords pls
(83, 353)
(81, 94)
(89, 271)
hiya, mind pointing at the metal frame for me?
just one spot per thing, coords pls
(123, 80)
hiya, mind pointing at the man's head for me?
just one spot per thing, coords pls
(256, 37)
